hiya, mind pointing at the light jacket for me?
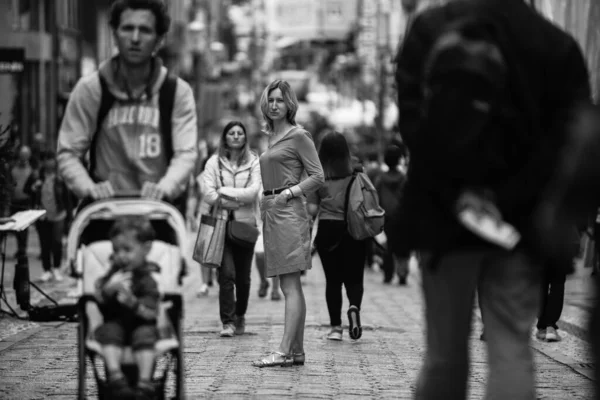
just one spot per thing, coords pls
(128, 147)
(233, 183)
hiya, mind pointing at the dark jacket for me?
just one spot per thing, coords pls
(144, 289)
(390, 186)
(552, 65)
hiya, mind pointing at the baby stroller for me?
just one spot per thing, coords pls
(88, 252)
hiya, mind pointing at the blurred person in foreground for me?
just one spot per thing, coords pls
(129, 296)
(483, 127)
(129, 150)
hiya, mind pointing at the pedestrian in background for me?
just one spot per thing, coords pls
(286, 224)
(512, 157)
(51, 194)
(342, 256)
(22, 174)
(390, 185)
(231, 180)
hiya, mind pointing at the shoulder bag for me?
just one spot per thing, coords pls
(210, 241)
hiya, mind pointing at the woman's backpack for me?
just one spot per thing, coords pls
(364, 216)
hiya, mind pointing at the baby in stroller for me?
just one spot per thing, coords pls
(128, 296)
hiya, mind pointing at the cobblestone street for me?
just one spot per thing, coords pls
(39, 360)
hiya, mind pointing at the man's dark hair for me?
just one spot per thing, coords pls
(144, 232)
(158, 8)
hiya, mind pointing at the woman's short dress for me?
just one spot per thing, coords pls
(286, 235)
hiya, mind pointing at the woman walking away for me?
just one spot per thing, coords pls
(343, 257)
(232, 178)
(290, 156)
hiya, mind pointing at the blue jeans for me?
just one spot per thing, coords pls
(234, 281)
(509, 288)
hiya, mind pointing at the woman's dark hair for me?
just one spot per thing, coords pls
(334, 155)
(140, 225)
(224, 151)
(158, 8)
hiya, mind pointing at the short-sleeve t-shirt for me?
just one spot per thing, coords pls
(331, 198)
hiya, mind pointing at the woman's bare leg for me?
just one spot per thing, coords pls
(295, 313)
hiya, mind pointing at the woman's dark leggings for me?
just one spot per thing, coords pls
(344, 263)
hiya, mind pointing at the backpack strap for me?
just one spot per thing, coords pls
(107, 100)
(166, 104)
(347, 197)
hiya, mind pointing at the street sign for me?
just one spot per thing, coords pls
(12, 60)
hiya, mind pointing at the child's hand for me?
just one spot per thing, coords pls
(126, 298)
(112, 288)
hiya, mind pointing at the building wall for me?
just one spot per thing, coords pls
(28, 26)
(311, 19)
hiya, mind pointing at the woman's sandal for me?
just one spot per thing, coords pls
(299, 358)
(273, 360)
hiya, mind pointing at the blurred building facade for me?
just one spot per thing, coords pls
(582, 19)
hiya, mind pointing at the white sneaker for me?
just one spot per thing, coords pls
(57, 275)
(203, 290)
(552, 335)
(335, 333)
(228, 330)
(46, 276)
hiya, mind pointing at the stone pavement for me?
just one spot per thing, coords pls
(39, 361)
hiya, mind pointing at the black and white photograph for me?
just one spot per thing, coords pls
(299, 199)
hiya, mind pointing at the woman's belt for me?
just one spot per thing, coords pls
(272, 192)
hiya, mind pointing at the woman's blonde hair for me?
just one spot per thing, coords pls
(289, 98)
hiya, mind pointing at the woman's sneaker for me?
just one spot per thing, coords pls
(203, 290)
(240, 325)
(57, 275)
(355, 329)
(541, 334)
(335, 333)
(46, 276)
(552, 335)
(228, 330)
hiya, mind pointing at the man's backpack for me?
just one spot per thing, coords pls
(166, 103)
(363, 215)
(475, 121)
